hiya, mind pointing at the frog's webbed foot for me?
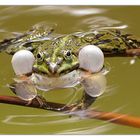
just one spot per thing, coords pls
(27, 92)
(42, 101)
(39, 99)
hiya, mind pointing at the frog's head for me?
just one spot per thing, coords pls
(55, 62)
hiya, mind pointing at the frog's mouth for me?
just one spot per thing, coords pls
(54, 73)
(68, 80)
(65, 71)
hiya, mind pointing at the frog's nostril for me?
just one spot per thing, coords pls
(59, 60)
(53, 67)
(47, 63)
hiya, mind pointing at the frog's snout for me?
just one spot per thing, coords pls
(53, 67)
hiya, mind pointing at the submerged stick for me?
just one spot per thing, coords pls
(127, 53)
(117, 118)
(91, 114)
(17, 101)
(133, 52)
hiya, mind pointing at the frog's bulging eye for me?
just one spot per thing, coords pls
(67, 53)
(39, 56)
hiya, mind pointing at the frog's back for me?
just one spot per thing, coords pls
(36, 36)
(110, 41)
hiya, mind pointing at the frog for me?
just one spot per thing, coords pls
(56, 63)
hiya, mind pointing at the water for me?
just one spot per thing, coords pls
(122, 94)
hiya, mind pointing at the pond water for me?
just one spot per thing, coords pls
(122, 93)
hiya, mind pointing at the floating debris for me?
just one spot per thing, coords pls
(133, 60)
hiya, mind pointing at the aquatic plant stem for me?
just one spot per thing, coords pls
(90, 114)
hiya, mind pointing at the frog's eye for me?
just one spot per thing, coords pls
(39, 56)
(67, 53)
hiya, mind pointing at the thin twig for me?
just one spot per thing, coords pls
(133, 52)
(91, 114)
(127, 53)
(117, 118)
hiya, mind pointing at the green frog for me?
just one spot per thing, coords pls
(56, 64)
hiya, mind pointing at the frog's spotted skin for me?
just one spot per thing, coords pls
(61, 52)
(57, 55)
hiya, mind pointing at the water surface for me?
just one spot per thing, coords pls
(122, 94)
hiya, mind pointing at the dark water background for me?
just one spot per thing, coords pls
(123, 91)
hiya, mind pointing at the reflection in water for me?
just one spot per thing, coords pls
(46, 120)
(36, 119)
(100, 22)
(68, 10)
(62, 119)
(88, 130)
(133, 60)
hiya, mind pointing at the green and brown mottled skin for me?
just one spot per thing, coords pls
(63, 49)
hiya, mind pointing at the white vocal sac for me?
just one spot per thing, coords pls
(91, 58)
(22, 62)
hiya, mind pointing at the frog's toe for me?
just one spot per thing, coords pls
(84, 103)
(29, 102)
(42, 101)
(12, 87)
(77, 107)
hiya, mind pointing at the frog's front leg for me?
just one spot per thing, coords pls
(23, 87)
(83, 103)
(91, 59)
(27, 91)
(94, 86)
